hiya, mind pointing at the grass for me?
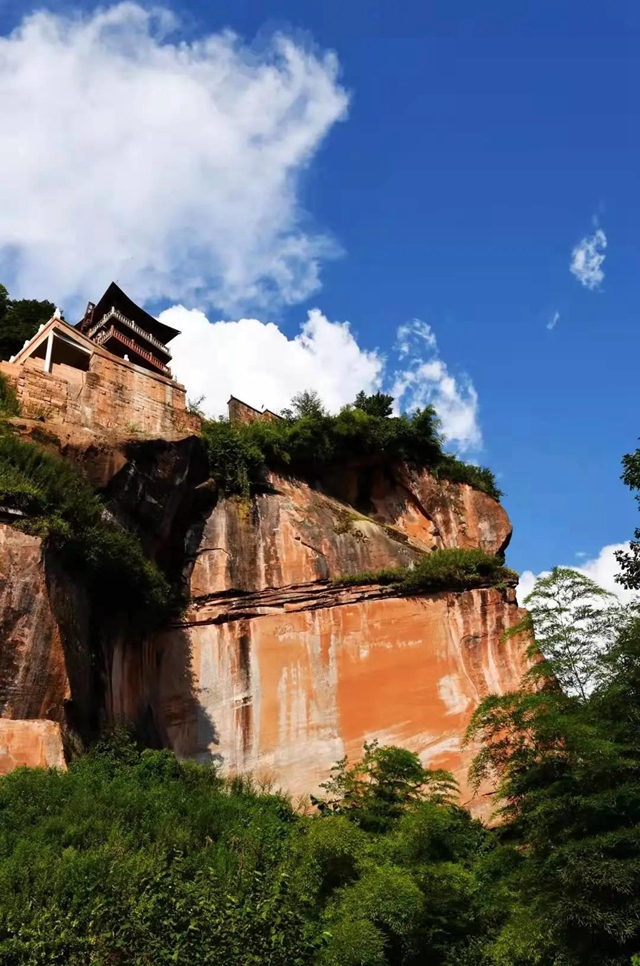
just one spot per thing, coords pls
(9, 405)
(447, 569)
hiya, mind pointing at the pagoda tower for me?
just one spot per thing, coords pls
(126, 330)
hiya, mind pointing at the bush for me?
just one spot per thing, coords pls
(446, 569)
(63, 508)
(9, 405)
(240, 455)
(135, 857)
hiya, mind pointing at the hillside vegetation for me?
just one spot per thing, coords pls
(134, 857)
(452, 568)
(55, 502)
(308, 439)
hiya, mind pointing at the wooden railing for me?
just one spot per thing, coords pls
(113, 313)
(114, 333)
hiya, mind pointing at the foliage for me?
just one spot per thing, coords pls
(629, 560)
(61, 506)
(306, 403)
(19, 321)
(195, 406)
(135, 857)
(451, 568)
(574, 619)
(309, 440)
(235, 461)
(375, 791)
(565, 749)
(379, 404)
(9, 405)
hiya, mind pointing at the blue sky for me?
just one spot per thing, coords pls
(475, 153)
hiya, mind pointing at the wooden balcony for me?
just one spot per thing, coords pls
(113, 313)
(107, 334)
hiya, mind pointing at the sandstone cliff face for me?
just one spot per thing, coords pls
(289, 672)
(272, 668)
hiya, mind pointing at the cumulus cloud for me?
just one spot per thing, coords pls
(258, 363)
(171, 166)
(603, 569)
(425, 379)
(587, 258)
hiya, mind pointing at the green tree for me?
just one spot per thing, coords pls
(306, 403)
(571, 621)
(565, 751)
(378, 404)
(629, 560)
(378, 789)
(19, 321)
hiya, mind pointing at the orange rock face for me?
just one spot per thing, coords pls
(287, 682)
(36, 744)
(33, 678)
(274, 668)
(289, 672)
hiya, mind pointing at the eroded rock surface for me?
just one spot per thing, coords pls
(289, 671)
(273, 668)
(36, 744)
(33, 677)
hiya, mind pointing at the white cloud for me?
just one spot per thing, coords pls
(553, 321)
(426, 380)
(173, 167)
(603, 569)
(587, 258)
(258, 363)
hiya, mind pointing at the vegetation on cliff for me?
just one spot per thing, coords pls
(447, 569)
(308, 440)
(55, 502)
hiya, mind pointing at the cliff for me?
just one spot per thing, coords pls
(273, 667)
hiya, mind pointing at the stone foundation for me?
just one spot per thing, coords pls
(109, 394)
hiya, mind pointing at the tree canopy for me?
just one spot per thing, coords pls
(19, 321)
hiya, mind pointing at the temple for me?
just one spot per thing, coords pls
(126, 330)
(109, 373)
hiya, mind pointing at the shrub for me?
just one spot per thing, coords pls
(135, 857)
(9, 405)
(63, 508)
(447, 569)
(306, 444)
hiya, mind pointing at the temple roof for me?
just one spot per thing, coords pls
(116, 298)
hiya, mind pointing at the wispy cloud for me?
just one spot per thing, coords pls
(172, 166)
(425, 380)
(553, 321)
(587, 259)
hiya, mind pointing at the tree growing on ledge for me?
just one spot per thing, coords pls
(19, 321)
